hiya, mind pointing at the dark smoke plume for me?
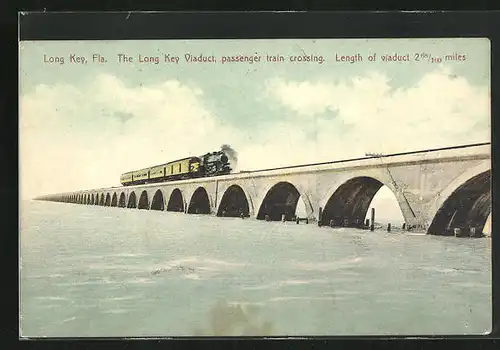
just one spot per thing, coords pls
(231, 154)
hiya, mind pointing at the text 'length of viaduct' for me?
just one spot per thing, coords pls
(437, 190)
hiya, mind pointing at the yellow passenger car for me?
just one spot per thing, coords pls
(157, 172)
(126, 178)
(178, 167)
(141, 175)
(183, 167)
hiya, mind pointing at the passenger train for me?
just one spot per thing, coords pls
(210, 164)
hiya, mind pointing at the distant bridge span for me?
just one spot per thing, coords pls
(437, 190)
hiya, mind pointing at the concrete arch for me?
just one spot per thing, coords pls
(468, 206)
(107, 202)
(143, 200)
(281, 198)
(92, 198)
(132, 201)
(88, 199)
(122, 201)
(234, 203)
(348, 205)
(158, 203)
(443, 195)
(248, 190)
(114, 200)
(341, 180)
(359, 190)
(303, 193)
(176, 201)
(101, 199)
(199, 202)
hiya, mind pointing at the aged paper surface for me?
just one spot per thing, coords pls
(288, 187)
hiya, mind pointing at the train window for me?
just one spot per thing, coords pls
(179, 167)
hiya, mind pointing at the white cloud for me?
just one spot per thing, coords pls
(440, 110)
(74, 139)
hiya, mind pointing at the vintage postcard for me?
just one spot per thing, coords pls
(255, 187)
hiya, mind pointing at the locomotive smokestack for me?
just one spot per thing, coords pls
(232, 155)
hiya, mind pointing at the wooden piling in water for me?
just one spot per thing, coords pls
(372, 226)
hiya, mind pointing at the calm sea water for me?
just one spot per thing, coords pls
(99, 271)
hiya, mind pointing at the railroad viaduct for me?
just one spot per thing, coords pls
(437, 190)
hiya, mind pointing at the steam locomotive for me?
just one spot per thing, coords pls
(210, 164)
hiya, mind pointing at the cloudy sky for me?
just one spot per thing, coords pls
(82, 125)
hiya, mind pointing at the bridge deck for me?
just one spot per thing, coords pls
(465, 152)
